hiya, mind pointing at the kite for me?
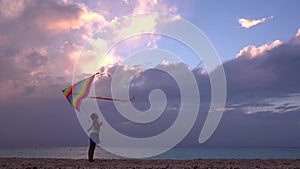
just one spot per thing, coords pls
(77, 92)
(80, 90)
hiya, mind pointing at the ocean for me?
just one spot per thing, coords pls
(175, 153)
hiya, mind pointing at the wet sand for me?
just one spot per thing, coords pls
(35, 163)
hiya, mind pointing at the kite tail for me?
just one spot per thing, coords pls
(113, 99)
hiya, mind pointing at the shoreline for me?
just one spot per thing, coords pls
(147, 163)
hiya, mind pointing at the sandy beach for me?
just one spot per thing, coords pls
(30, 163)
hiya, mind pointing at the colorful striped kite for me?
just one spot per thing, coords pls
(77, 92)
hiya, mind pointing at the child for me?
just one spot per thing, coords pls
(94, 136)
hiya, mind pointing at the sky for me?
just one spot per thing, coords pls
(43, 42)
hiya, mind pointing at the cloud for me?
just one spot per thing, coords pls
(247, 23)
(267, 74)
(132, 7)
(263, 97)
(144, 6)
(298, 34)
(131, 35)
(252, 51)
(296, 39)
(40, 42)
(29, 40)
(153, 6)
(11, 8)
(261, 100)
(284, 104)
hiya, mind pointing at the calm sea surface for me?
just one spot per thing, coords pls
(176, 153)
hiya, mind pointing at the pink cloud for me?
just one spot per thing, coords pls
(11, 8)
(252, 51)
(55, 32)
(298, 33)
(144, 6)
(247, 23)
(296, 39)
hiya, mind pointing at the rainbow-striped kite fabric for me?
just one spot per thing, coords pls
(77, 92)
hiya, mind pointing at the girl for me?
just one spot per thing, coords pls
(94, 136)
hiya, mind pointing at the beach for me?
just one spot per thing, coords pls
(36, 163)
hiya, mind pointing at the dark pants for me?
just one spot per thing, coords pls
(91, 151)
(94, 139)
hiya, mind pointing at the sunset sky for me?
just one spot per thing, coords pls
(258, 43)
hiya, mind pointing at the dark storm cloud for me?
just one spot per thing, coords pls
(253, 82)
(273, 74)
(266, 82)
(264, 129)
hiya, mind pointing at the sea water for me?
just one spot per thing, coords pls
(175, 153)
